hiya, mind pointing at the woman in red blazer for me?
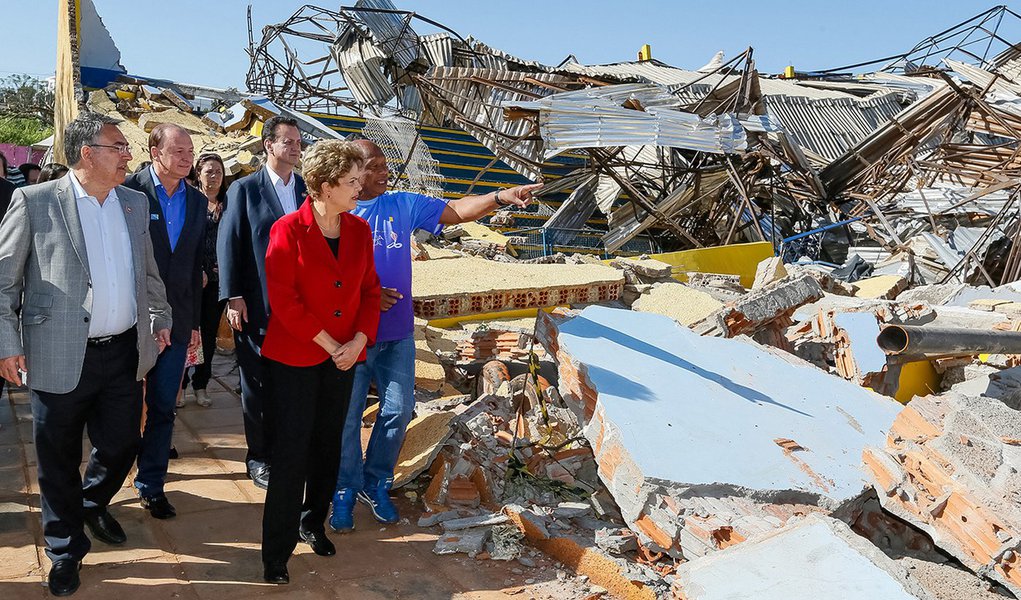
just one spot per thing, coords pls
(324, 295)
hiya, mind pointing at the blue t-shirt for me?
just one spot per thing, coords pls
(393, 216)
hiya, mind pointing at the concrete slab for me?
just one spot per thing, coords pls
(463, 286)
(881, 286)
(950, 467)
(817, 557)
(674, 417)
(684, 304)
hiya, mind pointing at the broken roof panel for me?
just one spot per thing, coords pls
(660, 405)
(392, 32)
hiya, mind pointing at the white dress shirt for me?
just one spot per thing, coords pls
(108, 247)
(285, 191)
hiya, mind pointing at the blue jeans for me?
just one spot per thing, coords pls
(161, 387)
(392, 366)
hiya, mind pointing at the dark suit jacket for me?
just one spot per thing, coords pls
(252, 208)
(6, 193)
(181, 270)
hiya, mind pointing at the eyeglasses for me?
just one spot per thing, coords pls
(121, 148)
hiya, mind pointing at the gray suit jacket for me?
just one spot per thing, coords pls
(43, 261)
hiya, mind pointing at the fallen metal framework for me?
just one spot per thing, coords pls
(707, 157)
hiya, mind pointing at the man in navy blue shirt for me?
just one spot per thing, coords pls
(177, 228)
(391, 361)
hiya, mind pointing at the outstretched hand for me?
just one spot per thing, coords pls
(520, 196)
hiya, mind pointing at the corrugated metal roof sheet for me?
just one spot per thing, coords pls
(439, 49)
(362, 63)
(595, 118)
(390, 31)
(829, 127)
(457, 91)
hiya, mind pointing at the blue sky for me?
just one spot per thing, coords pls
(203, 41)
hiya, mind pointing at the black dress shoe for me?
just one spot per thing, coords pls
(173, 453)
(321, 544)
(105, 528)
(63, 580)
(159, 507)
(259, 476)
(274, 572)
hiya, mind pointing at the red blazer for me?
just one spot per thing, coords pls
(311, 290)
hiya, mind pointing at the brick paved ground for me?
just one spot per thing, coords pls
(211, 550)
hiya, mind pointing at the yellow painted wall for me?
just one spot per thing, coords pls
(735, 259)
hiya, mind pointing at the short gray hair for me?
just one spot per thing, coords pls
(83, 131)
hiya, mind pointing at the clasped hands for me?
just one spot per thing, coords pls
(346, 355)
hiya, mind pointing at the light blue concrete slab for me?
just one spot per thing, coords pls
(704, 410)
(862, 330)
(817, 558)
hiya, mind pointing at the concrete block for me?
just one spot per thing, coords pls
(569, 510)
(646, 267)
(951, 467)
(616, 541)
(881, 286)
(682, 303)
(817, 557)
(986, 304)
(424, 438)
(768, 271)
(691, 433)
(470, 542)
(484, 520)
(760, 308)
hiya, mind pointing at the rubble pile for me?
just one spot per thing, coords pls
(950, 467)
(796, 454)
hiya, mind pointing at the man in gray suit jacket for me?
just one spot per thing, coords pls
(83, 316)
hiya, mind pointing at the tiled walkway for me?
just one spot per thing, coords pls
(211, 550)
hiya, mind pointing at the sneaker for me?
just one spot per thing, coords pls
(377, 498)
(180, 399)
(202, 398)
(342, 519)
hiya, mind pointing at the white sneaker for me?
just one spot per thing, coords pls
(202, 398)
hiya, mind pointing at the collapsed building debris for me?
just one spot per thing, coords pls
(464, 286)
(812, 558)
(950, 467)
(621, 371)
(881, 200)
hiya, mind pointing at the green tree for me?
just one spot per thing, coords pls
(25, 97)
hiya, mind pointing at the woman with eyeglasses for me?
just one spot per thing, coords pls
(209, 172)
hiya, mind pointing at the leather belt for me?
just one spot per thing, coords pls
(98, 342)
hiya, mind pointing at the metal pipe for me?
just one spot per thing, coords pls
(946, 341)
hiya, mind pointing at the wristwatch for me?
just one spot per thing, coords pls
(500, 202)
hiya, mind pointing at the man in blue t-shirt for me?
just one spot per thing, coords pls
(393, 216)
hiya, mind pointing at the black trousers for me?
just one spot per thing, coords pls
(310, 407)
(108, 403)
(212, 311)
(256, 397)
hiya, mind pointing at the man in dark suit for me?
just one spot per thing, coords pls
(83, 314)
(254, 203)
(177, 225)
(6, 192)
